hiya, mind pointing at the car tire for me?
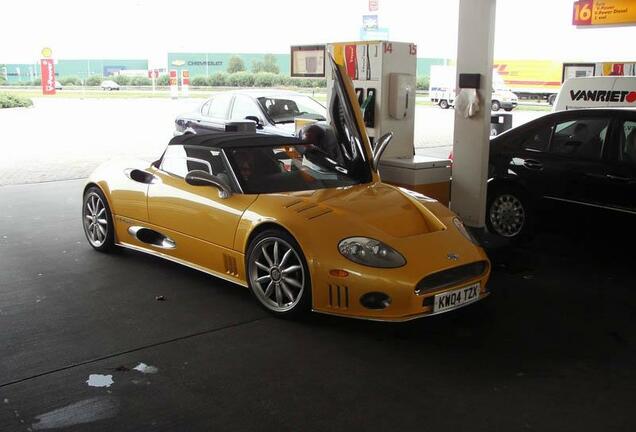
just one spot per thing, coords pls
(551, 99)
(97, 220)
(443, 104)
(495, 105)
(278, 275)
(508, 109)
(509, 213)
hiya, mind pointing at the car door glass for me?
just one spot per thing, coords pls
(180, 160)
(581, 138)
(538, 139)
(210, 160)
(243, 107)
(174, 161)
(627, 142)
(219, 105)
(344, 124)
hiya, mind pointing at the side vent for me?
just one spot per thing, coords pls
(338, 296)
(151, 237)
(230, 265)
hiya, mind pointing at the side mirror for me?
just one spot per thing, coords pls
(204, 178)
(259, 124)
(381, 145)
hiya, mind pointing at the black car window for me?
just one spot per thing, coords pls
(180, 160)
(627, 142)
(537, 139)
(243, 107)
(285, 108)
(581, 138)
(219, 105)
(210, 160)
(294, 167)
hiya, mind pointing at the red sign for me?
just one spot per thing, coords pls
(173, 77)
(153, 73)
(374, 5)
(185, 77)
(351, 61)
(582, 12)
(47, 67)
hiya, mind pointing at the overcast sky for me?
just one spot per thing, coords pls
(537, 29)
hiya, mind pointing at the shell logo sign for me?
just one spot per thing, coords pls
(47, 70)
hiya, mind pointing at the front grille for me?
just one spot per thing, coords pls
(450, 277)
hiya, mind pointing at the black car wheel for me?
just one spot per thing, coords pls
(443, 104)
(495, 106)
(97, 220)
(508, 212)
(277, 273)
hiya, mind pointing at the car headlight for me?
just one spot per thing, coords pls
(370, 252)
(462, 229)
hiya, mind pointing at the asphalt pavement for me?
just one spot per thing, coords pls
(87, 345)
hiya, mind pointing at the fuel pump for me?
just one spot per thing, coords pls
(383, 75)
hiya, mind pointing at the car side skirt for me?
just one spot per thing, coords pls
(182, 262)
(226, 264)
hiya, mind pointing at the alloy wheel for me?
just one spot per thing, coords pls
(276, 274)
(95, 220)
(507, 215)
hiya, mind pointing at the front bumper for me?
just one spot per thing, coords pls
(341, 297)
(509, 105)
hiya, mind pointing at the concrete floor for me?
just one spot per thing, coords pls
(552, 349)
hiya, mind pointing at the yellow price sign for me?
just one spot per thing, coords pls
(603, 12)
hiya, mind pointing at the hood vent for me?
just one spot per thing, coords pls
(307, 209)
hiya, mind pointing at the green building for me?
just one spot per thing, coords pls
(198, 64)
(79, 68)
(424, 65)
(206, 64)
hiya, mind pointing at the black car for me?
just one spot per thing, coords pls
(566, 161)
(273, 111)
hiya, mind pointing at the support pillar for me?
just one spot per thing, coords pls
(475, 48)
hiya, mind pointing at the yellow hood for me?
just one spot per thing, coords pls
(376, 206)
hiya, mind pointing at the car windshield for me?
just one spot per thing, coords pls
(288, 168)
(285, 108)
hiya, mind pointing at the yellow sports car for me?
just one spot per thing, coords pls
(305, 223)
